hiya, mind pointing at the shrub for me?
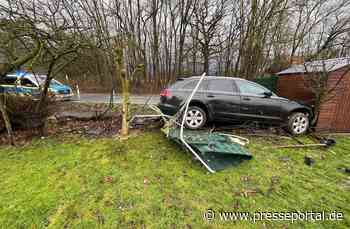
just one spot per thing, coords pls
(22, 110)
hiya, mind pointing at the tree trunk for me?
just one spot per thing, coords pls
(194, 63)
(121, 75)
(155, 43)
(206, 61)
(125, 109)
(7, 121)
(317, 108)
(180, 60)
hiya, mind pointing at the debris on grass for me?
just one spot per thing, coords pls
(245, 178)
(217, 151)
(146, 122)
(284, 158)
(345, 170)
(108, 179)
(249, 192)
(323, 143)
(274, 182)
(346, 184)
(145, 181)
(309, 161)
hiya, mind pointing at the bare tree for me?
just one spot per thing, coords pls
(207, 21)
(317, 79)
(258, 29)
(41, 33)
(310, 15)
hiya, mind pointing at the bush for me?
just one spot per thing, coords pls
(21, 110)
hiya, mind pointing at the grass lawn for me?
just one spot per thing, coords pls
(148, 182)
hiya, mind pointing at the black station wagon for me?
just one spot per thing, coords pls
(233, 99)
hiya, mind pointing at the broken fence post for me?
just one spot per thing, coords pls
(78, 92)
(183, 122)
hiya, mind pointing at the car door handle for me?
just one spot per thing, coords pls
(246, 98)
(210, 96)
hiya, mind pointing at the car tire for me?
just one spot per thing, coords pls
(196, 118)
(298, 123)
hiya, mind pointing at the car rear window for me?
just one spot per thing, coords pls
(222, 85)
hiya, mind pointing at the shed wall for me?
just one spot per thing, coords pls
(292, 86)
(335, 112)
(341, 120)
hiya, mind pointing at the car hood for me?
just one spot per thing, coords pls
(295, 104)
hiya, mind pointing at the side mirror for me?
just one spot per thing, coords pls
(267, 94)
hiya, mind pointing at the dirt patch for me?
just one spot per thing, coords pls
(85, 119)
(92, 128)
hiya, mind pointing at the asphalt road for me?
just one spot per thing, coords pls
(104, 98)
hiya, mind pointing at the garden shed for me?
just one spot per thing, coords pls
(335, 111)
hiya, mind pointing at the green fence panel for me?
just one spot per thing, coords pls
(268, 81)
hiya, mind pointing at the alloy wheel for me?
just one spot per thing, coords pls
(194, 118)
(300, 124)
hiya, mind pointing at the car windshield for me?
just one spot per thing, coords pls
(40, 79)
(55, 83)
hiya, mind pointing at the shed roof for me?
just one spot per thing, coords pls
(317, 66)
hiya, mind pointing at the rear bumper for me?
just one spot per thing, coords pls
(167, 109)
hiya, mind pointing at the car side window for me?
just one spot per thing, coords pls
(222, 85)
(9, 81)
(192, 84)
(176, 85)
(250, 88)
(27, 83)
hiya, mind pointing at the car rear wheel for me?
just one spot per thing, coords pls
(298, 123)
(195, 118)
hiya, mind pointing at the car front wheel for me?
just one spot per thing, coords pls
(298, 123)
(195, 118)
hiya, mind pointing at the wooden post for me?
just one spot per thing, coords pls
(121, 75)
(78, 92)
(125, 109)
(7, 121)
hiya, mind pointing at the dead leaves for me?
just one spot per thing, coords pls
(108, 179)
(146, 181)
(248, 189)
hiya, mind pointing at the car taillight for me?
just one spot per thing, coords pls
(165, 93)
